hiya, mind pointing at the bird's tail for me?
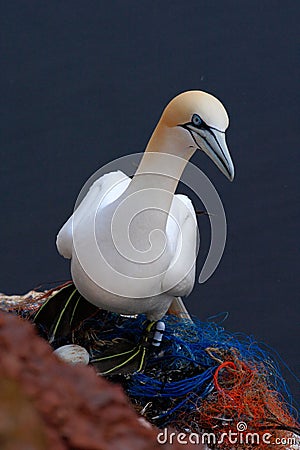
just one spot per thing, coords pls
(178, 309)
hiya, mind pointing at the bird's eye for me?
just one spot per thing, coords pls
(196, 120)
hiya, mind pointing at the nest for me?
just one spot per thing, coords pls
(201, 378)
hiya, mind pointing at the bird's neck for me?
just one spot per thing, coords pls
(164, 160)
(159, 172)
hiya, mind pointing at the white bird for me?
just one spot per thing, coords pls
(133, 242)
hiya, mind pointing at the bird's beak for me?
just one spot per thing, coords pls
(213, 143)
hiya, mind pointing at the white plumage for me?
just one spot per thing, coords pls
(132, 242)
(181, 233)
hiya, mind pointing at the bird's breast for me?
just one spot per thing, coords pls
(124, 257)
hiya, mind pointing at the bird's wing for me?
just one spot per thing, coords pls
(103, 191)
(182, 233)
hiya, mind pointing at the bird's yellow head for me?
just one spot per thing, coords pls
(183, 107)
(205, 120)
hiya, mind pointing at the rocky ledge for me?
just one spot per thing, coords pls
(46, 404)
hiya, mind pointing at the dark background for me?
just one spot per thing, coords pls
(85, 82)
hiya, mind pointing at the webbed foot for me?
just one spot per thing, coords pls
(128, 359)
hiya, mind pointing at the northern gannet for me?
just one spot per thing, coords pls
(132, 242)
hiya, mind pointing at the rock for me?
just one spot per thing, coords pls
(47, 404)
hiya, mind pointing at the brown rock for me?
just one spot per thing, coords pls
(46, 404)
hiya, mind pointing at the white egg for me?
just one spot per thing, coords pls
(73, 354)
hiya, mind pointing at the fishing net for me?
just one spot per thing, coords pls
(201, 379)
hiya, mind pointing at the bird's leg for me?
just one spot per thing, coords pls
(133, 360)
